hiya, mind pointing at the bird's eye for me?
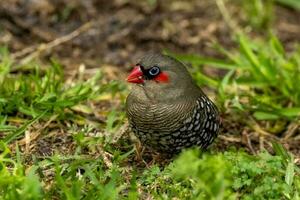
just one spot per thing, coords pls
(154, 71)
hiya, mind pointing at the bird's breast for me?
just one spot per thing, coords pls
(160, 117)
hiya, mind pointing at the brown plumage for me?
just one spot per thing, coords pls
(166, 109)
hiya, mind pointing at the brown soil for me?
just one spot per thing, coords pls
(124, 30)
(120, 31)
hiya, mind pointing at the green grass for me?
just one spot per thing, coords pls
(259, 15)
(42, 94)
(295, 4)
(86, 162)
(261, 79)
(58, 133)
(192, 176)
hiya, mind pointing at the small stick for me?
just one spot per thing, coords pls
(229, 139)
(291, 130)
(248, 142)
(27, 141)
(106, 157)
(261, 143)
(35, 50)
(123, 129)
(34, 135)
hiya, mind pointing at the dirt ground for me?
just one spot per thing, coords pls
(120, 31)
(114, 34)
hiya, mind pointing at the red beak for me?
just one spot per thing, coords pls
(136, 75)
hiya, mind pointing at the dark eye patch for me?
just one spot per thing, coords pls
(152, 72)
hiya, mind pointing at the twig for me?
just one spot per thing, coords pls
(27, 141)
(248, 142)
(260, 131)
(291, 130)
(256, 127)
(261, 143)
(34, 135)
(106, 157)
(230, 139)
(24, 51)
(36, 50)
(123, 129)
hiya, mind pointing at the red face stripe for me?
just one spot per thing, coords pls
(162, 77)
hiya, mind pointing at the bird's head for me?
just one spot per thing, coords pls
(160, 75)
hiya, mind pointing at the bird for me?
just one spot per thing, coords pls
(166, 109)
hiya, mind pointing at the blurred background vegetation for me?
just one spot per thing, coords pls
(62, 124)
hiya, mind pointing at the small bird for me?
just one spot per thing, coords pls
(166, 110)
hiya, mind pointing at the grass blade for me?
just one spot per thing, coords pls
(22, 129)
(290, 3)
(290, 172)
